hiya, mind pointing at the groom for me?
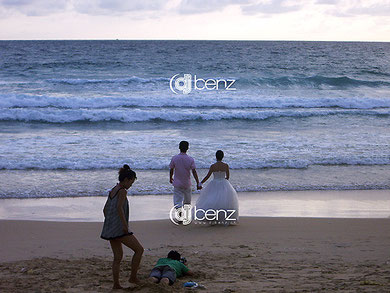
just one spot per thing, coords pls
(180, 166)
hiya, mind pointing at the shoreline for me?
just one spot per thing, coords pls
(64, 183)
(196, 192)
(306, 204)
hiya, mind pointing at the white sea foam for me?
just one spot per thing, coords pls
(72, 102)
(55, 115)
(162, 163)
(82, 81)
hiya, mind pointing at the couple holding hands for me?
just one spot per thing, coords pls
(218, 201)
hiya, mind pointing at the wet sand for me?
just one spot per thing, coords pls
(310, 203)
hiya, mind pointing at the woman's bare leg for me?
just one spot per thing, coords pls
(131, 242)
(116, 246)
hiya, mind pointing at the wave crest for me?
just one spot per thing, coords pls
(74, 102)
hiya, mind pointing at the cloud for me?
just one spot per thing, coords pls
(326, 2)
(92, 7)
(141, 9)
(344, 8)
(204, 6)
(15, 3)
(271, 7)
(34, 7)
(378, 9)
(116, 6)
(247, 6)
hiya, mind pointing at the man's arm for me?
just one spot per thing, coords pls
(195, 176)
(171, 175)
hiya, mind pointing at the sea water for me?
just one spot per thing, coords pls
(303, 115)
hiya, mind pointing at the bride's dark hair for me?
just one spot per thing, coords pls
(219, 155)
(126, 172)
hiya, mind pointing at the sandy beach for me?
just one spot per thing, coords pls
(258, 255)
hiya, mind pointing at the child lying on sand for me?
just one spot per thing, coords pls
(168, 269)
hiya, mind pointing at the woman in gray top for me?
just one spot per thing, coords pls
(116, 229)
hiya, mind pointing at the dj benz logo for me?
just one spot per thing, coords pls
(186, 83)
(185, 214)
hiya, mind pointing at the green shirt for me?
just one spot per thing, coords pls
(178, 266)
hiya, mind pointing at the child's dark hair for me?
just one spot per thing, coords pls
(173, 254)
(183, 146)
(126, 172)
(219, 154)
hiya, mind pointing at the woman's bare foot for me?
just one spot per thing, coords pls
(135, 281)
(117, 286)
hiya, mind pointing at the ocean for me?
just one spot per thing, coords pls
(303, 115)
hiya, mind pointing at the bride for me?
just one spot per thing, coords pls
(218, 201)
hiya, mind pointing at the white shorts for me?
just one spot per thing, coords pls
(181, 196)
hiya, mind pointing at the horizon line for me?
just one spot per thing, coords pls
(222, 40)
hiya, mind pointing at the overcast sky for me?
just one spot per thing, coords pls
(339, 20)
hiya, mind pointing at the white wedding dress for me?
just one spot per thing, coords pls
(219, 196)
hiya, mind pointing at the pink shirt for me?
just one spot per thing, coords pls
(183, 164)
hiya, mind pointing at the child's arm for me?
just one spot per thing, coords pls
(186, 270)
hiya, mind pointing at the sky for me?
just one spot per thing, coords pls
(313, 20)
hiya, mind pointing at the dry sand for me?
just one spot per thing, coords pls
(258, 255)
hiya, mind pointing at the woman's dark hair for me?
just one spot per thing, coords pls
(219, 155)
(126, 172)
(173, 254)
